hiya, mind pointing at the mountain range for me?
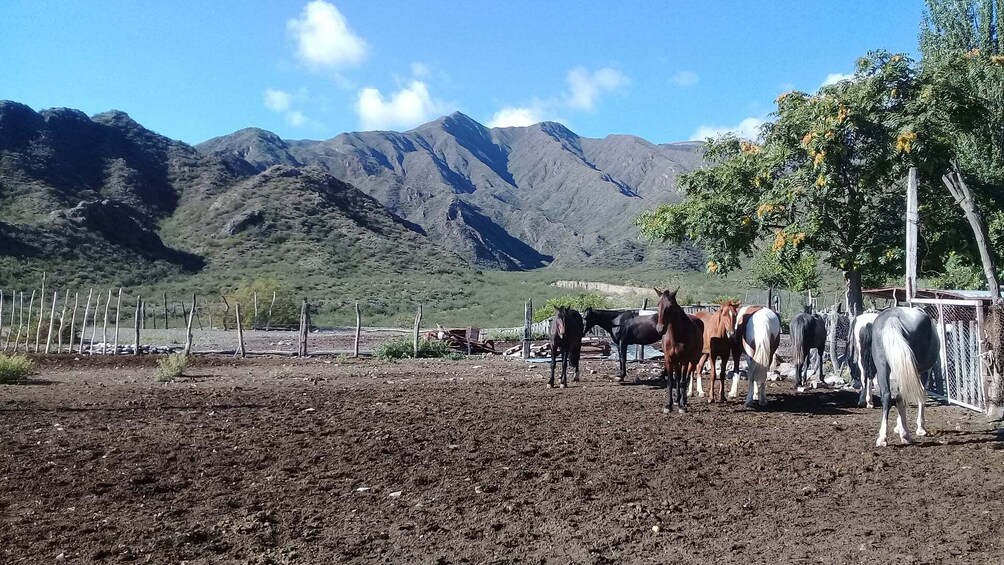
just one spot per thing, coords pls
(103, 199)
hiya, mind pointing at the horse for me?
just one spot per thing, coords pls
(855, 356)
(737, 348)
(808, 332)
(625, 328)
(759, 334)
(682, 344)
(566, 335)
(900, 346)
(718, 329)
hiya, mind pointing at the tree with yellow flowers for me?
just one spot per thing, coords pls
(826, 177)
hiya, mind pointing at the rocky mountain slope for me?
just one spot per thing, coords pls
(510, 198)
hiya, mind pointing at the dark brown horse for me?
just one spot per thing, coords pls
(566, 336)
(682, 342)
(718, 329)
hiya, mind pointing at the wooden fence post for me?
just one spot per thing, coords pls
(226, 309)
(167, 318)
(104, 327)
(12, 298)
(62, 322)
(188, 333)
(240, 331)
(20, 321)
(268, 318)
(139, 322)
(73, 321)
(527, 321)
(254, 321)
(304, 328)
(418, 323)
(41, 313)
(94, 323)
(118, 310)
(832, 338)
(1, 313)
(359, 320)
(27, 331)
(52, 318)
(640, 349)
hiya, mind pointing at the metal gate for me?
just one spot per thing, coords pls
(960, 379)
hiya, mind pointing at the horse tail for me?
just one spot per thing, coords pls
(760, 360)
(798, 330)
(902, 362)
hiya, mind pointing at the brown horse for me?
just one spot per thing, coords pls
(718, 329)
(682, 342)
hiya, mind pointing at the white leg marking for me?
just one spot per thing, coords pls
(880, 442)
(921, 430)
(904, 433)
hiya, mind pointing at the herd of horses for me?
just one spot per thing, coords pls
(897, 348)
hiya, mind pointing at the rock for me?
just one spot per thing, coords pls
(242, 222)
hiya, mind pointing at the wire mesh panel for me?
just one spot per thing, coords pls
(960, 378)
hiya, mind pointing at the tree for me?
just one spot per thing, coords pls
(786, 268)
(826, 178)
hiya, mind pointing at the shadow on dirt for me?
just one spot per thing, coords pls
(826, 402)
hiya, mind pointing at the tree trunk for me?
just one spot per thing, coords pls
(964, 199)
(855, 300)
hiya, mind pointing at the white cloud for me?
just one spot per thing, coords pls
(420, 70)
(511, 116)
(585, 87)
(746, 129)
(408, 107)
(296, 118)
(834, 78)
(685, 78)
(324, 39)
(277, 100)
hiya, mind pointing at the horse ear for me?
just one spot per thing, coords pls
(657, 291)
(673, 294)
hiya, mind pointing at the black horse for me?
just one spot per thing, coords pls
(566, 335)
(625, 328)
(808, 332)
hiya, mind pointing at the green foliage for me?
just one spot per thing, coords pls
(285, 311)
(961, 25)
(405, 347)
(960, 274)
(15, 369)
(171, 367)
(825, 179)
(577, 301)
(786, 268)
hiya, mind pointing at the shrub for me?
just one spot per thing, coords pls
(15, 369)
(578, 301)
(404, 347)
(171, 367)
(285, 311)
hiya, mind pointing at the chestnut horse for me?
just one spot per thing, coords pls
(682, 343)
(718, 329)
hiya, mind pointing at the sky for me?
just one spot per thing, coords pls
(664, 70)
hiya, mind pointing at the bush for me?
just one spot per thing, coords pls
(15, 369)
(404, 347)
(171, 367)
(285, 311)
(578, 301)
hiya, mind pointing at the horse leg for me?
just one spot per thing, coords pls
(564, 367)
(668, 370)
(576, 352)
(554, 354)
(833, 362)
(750, 385)
(921, 430)
(886, 399)
(865, 397)
(869, 401)
(798, 376)
(681, 399)
(711, 397)
(904, 432)
(700, 378)
(622, 357)
(762, 387)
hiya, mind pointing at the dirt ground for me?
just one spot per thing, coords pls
(320, 460)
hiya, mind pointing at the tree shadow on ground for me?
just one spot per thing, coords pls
(825, 402)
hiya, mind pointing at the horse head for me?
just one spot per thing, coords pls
(729, 311)
(559, 321)
(588, 319)
(667, 302)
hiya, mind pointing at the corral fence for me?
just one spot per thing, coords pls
(959, 380)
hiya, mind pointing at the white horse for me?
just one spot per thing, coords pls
(904, 344)
(855, 361)
(758, 333)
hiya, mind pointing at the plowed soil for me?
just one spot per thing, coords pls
(308, 461)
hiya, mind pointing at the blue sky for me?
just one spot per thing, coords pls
(663, 70)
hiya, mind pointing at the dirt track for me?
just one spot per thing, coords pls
(285, 461)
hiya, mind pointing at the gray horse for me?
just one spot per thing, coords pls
(900, 346)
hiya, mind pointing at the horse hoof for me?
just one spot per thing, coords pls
(921, 432)
(575, 380)
(666, 410)
(619, 379)
(701, 394)
(906, 440)
(563, 385)
(799, 389)
(682, 410)
(870, 406)
(880, 443)
(549, 385)
(749, 405)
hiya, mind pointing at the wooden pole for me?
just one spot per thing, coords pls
(1, 314)
(240, 331)
(118, 311)
(527, 320)
(20, 321)
(167, 319)
(639, 350)
(960, 191)
(41, 312)
(226, 309)
(142, 313)
(268, 319)
(52, 318)
(104, 327)
(73, 321)
(911, 234)
(359, 319)
(138, 322)
(418, 323)
(10, 331)
(27, 333)
(83, 323)
(302, 341)
(188, 333)
(62, 322)
(254, 321)
(94, 323)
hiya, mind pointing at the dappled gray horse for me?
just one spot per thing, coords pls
(901, 345)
